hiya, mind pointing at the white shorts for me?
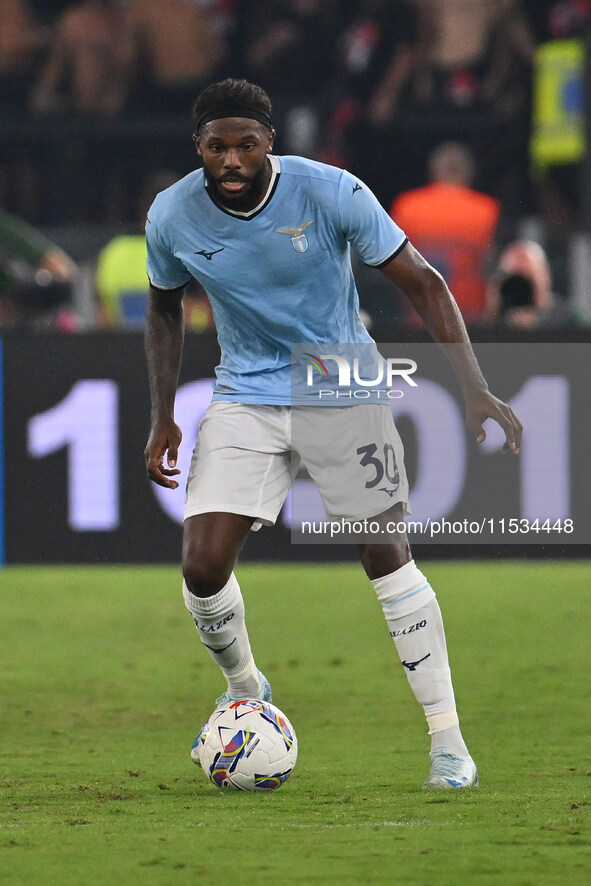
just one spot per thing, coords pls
(247, 456)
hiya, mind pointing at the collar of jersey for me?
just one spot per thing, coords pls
(275, 171)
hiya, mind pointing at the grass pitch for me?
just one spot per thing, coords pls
(104, 686)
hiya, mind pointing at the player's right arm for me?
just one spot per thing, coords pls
(372, 233)
(429, 294)
(164, 334)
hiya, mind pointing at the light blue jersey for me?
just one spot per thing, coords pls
(278, 275)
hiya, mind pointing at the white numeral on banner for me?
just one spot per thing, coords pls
(86, 422)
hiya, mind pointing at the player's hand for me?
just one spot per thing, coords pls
(164, 438)
(480, 405)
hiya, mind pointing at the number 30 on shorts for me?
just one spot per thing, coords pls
(382, 466)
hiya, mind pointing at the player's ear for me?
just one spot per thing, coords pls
(197, 142)
(271, 140)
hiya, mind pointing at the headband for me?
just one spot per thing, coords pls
(229, 111)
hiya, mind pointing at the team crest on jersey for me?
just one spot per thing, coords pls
(299, 241)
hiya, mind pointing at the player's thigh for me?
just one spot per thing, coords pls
(355, 456)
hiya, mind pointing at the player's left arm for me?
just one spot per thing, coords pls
(430, 296)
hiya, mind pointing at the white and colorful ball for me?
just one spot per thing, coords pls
(248, 745)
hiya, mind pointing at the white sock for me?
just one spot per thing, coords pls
(414, 620)
(221, 626)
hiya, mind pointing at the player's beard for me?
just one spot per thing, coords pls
(247, 200)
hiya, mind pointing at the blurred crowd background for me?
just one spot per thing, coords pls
(466, 117)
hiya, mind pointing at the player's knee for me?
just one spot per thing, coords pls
(380, 560)
(205, 572)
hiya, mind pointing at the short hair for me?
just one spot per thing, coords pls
(452, 161)
(232, 93)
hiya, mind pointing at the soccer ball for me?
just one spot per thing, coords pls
(248, 745)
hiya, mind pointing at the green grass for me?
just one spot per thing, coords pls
(104, 685)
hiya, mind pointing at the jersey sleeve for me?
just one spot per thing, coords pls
(365, 223)
(165, 270)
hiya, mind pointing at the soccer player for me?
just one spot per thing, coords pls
(268, 237)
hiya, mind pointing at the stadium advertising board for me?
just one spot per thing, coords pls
(76, 419)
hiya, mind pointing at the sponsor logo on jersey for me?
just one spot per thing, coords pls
(209, 255)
